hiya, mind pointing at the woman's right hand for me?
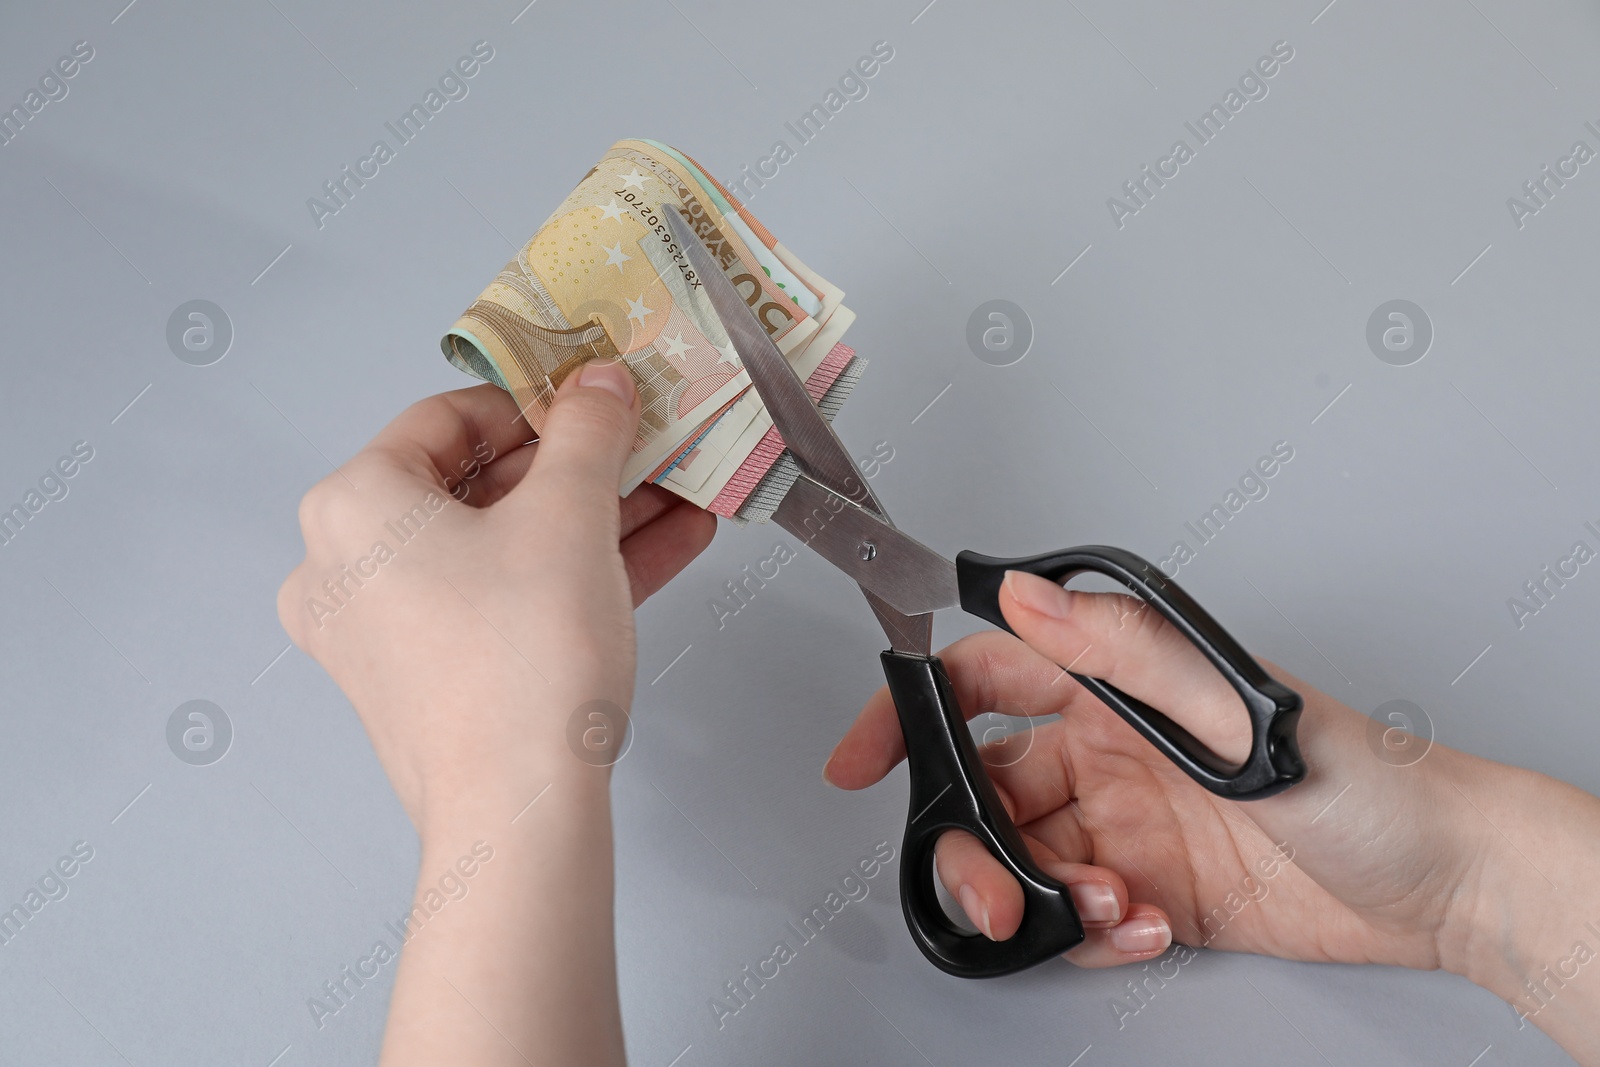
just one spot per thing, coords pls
(1450, 862)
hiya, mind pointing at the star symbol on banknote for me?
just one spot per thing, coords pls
(633, 177)
(729, 354)
(615, 257)
(676, 346)
(637, 310)
(611, 211)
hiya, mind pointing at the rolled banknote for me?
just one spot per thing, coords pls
(602, 278)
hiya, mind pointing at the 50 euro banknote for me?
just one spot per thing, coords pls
(603, 279)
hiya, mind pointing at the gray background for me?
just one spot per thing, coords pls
(1227, 315)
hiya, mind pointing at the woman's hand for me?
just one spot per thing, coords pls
(473, 595)
(1364, 862)
(468, 591)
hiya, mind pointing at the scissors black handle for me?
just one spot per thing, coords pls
(951, 791)
(1274, 763)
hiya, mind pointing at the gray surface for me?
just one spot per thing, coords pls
(1223, 317)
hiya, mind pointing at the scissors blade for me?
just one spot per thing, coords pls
(906, 575)
(821, 456)
(817, 450)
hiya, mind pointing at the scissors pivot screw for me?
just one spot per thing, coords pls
(868, 551)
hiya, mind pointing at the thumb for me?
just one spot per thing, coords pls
(587, 436)
(1124, 641)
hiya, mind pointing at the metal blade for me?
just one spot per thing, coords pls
(822, 458)
(907, 633)
(816, 448)
(908, 576)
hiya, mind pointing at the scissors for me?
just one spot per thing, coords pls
(833, 511)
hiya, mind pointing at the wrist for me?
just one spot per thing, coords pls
(502, 806)
(514, 904)
(1526, 923)
(544, 751)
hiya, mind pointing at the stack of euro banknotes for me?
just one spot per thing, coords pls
(598, 281)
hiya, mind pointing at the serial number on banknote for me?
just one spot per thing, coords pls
(650, 217)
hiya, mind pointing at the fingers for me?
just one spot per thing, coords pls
(989, 671)
(646, 504)
(639, 508)
(495, 479)
(993, 899)
(656, 551)
(870, 749)
(1099, 893)
(1125, 642)
(587, 437)
(986, 891)
(1145, 933)
(1116, 931)
(443, 438)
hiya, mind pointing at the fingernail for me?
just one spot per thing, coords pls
(1096, 902)
(608, 374)
(827, 773)
(1038, 594)
(976, 910)
(1144, 934)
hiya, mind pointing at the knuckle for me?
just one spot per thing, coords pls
(327, 509)
(290, 595)
(1114, 612)
(429, 411)
(990, 663)
(308, 509)
(436, 404)
(316, 507)
(1150, 624)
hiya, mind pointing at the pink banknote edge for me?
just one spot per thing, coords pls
(771, 446)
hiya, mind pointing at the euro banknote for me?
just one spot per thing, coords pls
(602, 278)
